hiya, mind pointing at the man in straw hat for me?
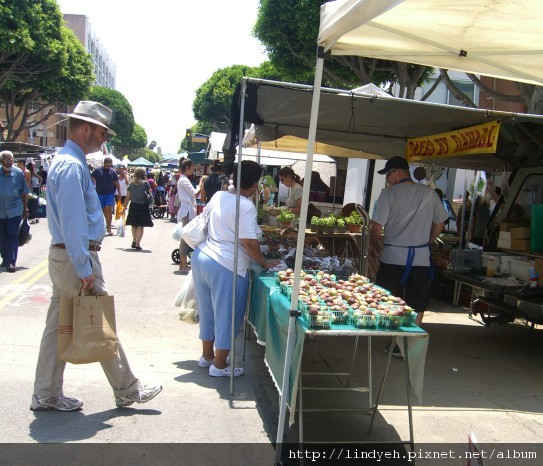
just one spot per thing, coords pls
(77, 228)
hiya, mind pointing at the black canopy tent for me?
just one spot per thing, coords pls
(377, 127)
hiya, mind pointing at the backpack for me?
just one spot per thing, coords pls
(213, 184)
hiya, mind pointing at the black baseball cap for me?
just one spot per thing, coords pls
(394, 163)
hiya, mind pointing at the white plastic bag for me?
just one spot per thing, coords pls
(119, 224)
(176, 233)
(186, 300)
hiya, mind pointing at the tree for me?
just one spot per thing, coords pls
(211, 106)
(123, 117)
(136, 141)
(289, 29)
(43, 67)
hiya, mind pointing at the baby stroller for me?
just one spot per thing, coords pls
(160, 205)
(176, 253)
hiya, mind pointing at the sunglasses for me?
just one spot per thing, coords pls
(390, 172)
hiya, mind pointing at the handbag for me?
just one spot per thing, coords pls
(148, 194)
(195, 232)
(87, 329)
(24, 235)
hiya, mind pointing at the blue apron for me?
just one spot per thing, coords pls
(411, 255)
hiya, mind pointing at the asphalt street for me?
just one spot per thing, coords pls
(483, 379)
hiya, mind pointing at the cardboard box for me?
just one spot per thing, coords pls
(504, 243)
(520, 233)
(520, 244)
(505, 235)
(508, 223)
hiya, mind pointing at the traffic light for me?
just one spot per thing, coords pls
(188, 133)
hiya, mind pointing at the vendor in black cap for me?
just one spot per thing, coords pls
(412, 217)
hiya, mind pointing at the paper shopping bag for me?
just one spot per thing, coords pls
(87, 330)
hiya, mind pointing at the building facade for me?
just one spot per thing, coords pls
(104, 68)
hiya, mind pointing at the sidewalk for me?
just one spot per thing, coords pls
(486, 379)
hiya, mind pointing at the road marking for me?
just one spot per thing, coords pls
(26, 280)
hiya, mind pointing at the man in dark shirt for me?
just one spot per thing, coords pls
(106, 181)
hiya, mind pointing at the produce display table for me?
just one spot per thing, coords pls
(269, 316)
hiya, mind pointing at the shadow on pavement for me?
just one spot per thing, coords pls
(48, 427)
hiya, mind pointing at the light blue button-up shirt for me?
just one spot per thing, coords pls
(74, 213)
(12, 188)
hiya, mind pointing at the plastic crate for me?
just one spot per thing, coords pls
(409, 319)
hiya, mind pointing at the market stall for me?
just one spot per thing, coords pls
(498, 44)
(269, 316)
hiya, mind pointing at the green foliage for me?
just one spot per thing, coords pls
(148, 154)
(340, 222)
(285, 216)
(329, 221)
(43, 66)
(315, 220)
(288, 29)
(354, 218)
(123, 118)
(213, 98)
(136, 141)
(211, 106)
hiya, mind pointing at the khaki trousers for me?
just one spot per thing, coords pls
(50, 369)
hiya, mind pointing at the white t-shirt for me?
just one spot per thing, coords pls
(222, 227)
(124, 185)
(295, 193)
(407, 212)
(187, 198)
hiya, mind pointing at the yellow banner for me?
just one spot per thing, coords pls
(480, 139)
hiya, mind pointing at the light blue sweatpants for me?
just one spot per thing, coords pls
(213, 287)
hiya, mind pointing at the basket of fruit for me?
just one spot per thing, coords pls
(391, 320)
(365, 320)
(318, 317)
(409, 317)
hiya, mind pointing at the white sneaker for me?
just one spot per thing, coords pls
(203, 362)
(215, 372)
(142, 394)
(59, 403)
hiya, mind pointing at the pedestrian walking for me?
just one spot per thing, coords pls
(107, 181)
(13, 206)
(77, 227)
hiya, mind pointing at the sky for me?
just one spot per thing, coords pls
(165, 50)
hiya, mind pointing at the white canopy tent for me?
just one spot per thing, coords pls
(325, 165)
(497, 38)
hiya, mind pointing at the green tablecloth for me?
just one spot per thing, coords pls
(269, 316)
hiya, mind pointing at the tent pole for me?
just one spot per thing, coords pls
(236, 239)
(299, 253)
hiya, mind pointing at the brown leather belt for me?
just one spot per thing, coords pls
(92, 246)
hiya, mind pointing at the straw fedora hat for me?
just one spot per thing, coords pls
(93, 112)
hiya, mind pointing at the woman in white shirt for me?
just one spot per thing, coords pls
(292, 181)
(187, 206)
(213, 268)
(124, 181)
